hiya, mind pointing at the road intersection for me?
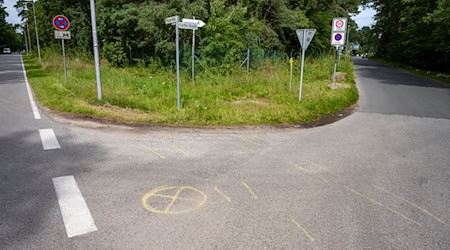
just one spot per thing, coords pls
(376, 179)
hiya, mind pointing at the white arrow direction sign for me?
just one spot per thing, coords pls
(187, 26)
(171, 20)
(305, 37)
(198, 22)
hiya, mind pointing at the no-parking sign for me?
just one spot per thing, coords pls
(61, 22)
(338, 38)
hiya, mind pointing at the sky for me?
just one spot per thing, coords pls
(365, 18)
(12, 18)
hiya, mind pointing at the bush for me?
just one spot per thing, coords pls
(114, 53)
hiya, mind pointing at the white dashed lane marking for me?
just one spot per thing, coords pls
(30, 94)
(74, 210)
(48, 138)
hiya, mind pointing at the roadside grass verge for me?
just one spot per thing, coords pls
(137, 95)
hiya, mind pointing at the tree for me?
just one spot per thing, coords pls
(414, 32)
(8, 36)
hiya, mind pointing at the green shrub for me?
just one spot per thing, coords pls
(114, 53)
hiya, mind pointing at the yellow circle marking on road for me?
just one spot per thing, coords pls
(197, 200)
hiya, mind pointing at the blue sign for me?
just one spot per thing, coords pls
(61, 22)
(338, 37)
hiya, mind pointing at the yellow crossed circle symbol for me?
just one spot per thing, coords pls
(173, 200)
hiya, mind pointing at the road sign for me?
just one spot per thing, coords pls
(174, 20)
(62, 35)
(171, 20)
(338, 38)
(305, 37)
(61, 22)
(187, 26)
(199, 23)
(339, 24)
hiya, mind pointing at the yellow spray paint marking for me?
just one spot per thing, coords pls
(179, 150)
(192, 197)
(302, 166)
(223, 195)
(153, 151)
(304, 230)
(250, 190)
(381, 205)
(412, 204)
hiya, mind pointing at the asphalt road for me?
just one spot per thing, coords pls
(376, 179)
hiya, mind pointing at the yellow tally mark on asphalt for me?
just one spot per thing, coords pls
(153, 151)
(223, 195)
(412, 204)
(250, 190)
(197, 202)
(298, 165)
(181, 151)
(303, 229)
(381, 205)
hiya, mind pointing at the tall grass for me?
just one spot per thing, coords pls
(148, 95)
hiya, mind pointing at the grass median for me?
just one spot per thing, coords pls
(137, 95)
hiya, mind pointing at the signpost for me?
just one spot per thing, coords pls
(61, 23)
(174, 20)
(338, 32)
(192, 24)
(305, 37)
(291, 62)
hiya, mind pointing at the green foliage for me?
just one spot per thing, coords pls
(8, 36)
(414, 32)
(232, 25)
(113, 52)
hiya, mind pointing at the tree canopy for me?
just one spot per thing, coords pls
(414, 32)
(232, 25)
(8, 36)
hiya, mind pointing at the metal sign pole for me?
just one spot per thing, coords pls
(193, 54)
(303, 64)
(335, 65)
(178, 61)
(291, 62)
(26, 41)
(37, 36)
(29, 39)
(64, 59)
(95, 45)
(248, 60)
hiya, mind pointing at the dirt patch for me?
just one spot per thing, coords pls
(338, 86)
(257, 102)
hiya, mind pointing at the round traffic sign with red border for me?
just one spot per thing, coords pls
(338, 37)
(61, 22)
(339, 23)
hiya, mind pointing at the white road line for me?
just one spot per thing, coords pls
(76, 215)
(36, 114)
(48, 138)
